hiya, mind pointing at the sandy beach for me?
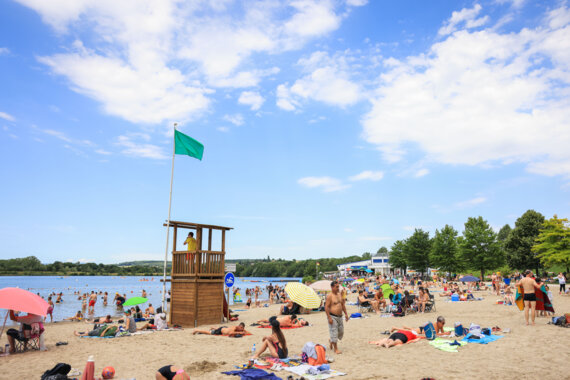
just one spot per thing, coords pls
(540, 351)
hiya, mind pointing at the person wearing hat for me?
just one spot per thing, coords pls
(130, 324)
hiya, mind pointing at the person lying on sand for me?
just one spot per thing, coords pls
(107, 319)
(77, 317)
(398, 337)
(103, 330)
(285, 321)
(438, 325)
(224, 330)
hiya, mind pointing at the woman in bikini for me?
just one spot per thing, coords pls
(275, 343)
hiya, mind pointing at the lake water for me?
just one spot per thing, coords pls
(131, 286)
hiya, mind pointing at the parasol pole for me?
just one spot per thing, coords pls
(168, 227)
(4, 325)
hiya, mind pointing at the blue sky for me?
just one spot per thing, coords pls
(331, 127)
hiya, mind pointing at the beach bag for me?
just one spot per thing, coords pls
(398, 311)
(321, 356)
(58, 372)
(355, 315)
(458, 329)
(429, 331)
(559, 321)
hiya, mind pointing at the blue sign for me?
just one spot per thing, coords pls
(229, 280)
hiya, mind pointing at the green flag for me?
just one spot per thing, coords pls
(184, 144)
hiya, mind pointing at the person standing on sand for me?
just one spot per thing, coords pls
(334, 307)
(562, 283)
(529, 285)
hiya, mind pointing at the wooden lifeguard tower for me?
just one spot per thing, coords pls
(197, 278)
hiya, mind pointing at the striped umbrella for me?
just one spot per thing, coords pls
(302, 295)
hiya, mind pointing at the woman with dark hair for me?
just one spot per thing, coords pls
(275, 343)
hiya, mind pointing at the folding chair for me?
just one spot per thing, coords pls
(430, 305)
(32, 339)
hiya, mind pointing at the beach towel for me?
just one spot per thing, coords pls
(542, 300)
(282, 328)
(444, 344)
(484, 338)
(252, 374)
(303, 369)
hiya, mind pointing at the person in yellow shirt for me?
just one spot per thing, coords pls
(191, 243)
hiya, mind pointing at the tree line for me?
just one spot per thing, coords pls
(32, 265)
(534, 243)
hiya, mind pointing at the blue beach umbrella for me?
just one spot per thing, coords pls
(469, 279)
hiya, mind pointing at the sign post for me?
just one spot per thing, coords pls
(229, 280)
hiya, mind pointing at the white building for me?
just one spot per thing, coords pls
(379, 264)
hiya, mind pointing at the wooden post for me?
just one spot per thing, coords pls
(174, 237)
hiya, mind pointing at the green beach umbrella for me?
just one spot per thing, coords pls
(386, 290)
(135, 301)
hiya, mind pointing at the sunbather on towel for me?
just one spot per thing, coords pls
(170, 372)
(398, 337)
(439, 324)
(285, 321)
(99, 331)
(224, 330)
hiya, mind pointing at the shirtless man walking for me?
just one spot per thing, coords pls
(529, 285)
(334, 307)
(92, 301)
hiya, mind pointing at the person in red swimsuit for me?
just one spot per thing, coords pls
(399, 337)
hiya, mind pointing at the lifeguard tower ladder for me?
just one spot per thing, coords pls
(197, 278)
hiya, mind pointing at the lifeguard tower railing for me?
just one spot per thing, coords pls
(197, 277)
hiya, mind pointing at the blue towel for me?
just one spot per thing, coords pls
(484, 340)
(252, 374)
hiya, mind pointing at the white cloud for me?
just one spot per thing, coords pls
(7, 116)
(421, 172)
(64, 137)
(328, 81)
(368, 174)
(140, 149)
(375, 238)
(236, 119)
(466, 16)
(4, 51)
(103, 152)
(140, 95)
(356, 3)
(149, 62)
(328, 184)
(223, 129)
(252, 99)
(481, 97)
(470, 203)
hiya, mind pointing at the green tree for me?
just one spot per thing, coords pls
(479, 247)
(504, 233)
(382, 250)
(397, 258)
(366, 256)
(553, 242)
(417, 249)
(519, 242)
(444, 253)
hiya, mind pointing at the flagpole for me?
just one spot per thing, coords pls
(168, 226)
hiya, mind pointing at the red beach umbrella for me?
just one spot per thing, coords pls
(22, 300)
